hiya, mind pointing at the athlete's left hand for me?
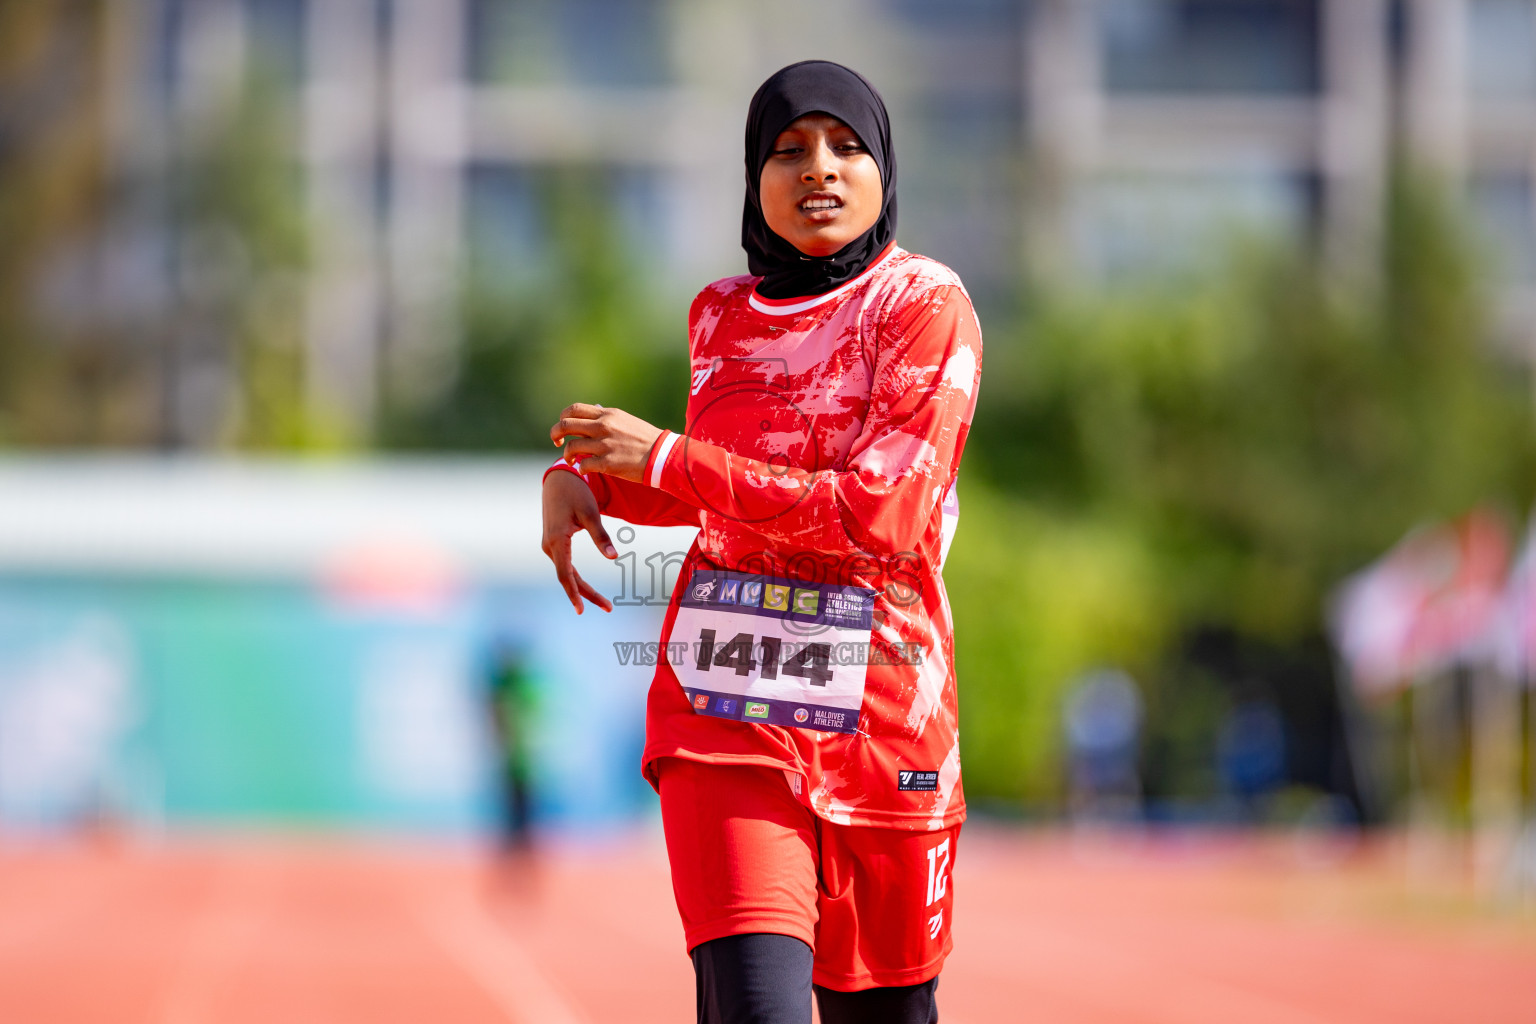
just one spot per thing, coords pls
(605, 440)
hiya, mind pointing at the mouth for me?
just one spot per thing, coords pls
(821, 206)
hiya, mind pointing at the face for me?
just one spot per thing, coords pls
(820, 188)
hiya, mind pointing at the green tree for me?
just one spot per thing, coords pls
(53, 108)
(587, 328)
(228, 237)
(238, 217)
(1215, 456)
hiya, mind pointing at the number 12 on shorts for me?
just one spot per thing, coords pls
(938, 872)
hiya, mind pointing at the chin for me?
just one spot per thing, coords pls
(820, 245)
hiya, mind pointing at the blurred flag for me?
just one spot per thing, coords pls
(1432, 601)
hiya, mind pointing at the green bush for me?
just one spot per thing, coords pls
(587, 328)
(1216, 455)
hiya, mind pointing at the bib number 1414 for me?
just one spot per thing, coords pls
(746, 653)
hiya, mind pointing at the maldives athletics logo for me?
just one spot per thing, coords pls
(801, 715)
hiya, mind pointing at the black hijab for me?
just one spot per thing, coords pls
(814, 86)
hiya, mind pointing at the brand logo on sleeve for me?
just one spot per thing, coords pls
(755, 710)
(918, 781)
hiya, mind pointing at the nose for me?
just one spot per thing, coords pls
(821, 169)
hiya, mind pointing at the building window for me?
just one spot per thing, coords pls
(1506, 219)
(962, 15)
(569, 42)
(1501, 39)
(277, 38)
(505, 230)
(1136, 227)
(516, 218)
(1210, 46)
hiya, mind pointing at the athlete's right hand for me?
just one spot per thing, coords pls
(569, 508)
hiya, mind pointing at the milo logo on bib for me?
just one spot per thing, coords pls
(794, 652)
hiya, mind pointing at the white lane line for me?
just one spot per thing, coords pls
(222, 938)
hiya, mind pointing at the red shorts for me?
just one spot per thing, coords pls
(748, 856)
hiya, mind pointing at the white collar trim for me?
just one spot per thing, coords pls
(771, 307)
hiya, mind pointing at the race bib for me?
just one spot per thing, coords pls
(778, 651)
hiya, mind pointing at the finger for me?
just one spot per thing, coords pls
(583, 447)
(581, 411)
(591, 592)
(565, 572)
(594, 525)
(576, 426)
(594, 463)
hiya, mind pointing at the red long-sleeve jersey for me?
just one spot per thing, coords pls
(823, 439)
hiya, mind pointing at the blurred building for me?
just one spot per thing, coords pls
(1154, 121)
(1082, 139)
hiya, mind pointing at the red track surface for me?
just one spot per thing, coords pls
(1047, 929)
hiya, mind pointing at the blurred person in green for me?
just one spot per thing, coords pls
(512, 699)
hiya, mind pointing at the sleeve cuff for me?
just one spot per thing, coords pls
(561, 464)
(658, 458)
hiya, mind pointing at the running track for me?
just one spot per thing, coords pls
(1049, 928)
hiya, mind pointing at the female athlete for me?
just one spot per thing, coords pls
(802, 732)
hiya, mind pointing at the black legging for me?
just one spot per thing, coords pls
(766, 979)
